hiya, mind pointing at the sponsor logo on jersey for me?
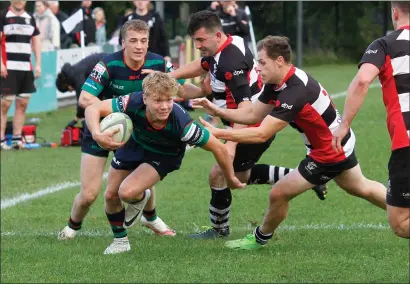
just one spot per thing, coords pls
(228, 76)
(97, 72)
(285, 105)
(117, 86)
(122, 103)
(237, 72)
(134, 77)
(116, 161)
(370, 51)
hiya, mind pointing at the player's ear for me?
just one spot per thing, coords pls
(395, 14)
(144, 98)
(123, 43)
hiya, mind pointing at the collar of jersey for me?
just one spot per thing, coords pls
(288, 75)
(153, 127)
(404, 28)
(227, 42)
(137, 70)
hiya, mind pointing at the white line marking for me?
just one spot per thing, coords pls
(10, 202)
(249, 228)
(6, 203)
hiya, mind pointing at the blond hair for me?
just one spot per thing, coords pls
(160, 84)
(134, 25)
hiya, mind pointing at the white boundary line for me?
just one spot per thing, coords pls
(309, 227)
(10, 202)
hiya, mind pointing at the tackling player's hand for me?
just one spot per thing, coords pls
(234, 182)
(147, 71)
(206, 104)
(105, 139)
(340, 133)
(206, 85)
(212, 129)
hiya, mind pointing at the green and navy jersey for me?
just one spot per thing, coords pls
(179, 130)
(112, 78)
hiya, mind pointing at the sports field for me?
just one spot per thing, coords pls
(342, 239)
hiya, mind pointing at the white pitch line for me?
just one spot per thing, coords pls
(309, 227)
(10, 202)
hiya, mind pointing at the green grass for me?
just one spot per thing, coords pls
(30, 251)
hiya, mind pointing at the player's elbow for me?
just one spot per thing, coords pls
(363, 80)
(262, 136)
(84, 100)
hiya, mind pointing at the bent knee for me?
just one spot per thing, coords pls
(111, 196)
(216, 175)
(400, 226)
(277, 195)
(88, 198)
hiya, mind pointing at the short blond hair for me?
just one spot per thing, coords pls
(134, 25)
(161, 84)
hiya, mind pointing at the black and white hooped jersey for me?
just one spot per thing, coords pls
(17, 32)
(233, 74)
(391, 54)
(305, 104)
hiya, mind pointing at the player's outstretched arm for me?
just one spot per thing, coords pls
(253, 135)
(250, 114)
(356, 94)
(189, 91)
(221, 155)
(93, 113)
(191, 70)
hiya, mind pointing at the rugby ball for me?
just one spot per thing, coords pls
(118, 120)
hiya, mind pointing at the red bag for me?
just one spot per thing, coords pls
(71, 136)
(29, 133)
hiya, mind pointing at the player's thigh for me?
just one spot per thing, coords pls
(247, 155)
(143, 177)
(92, 170)
(22, 101)
(90, 147)
(352, 180)
(290, 186)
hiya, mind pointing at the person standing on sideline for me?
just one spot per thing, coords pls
(17, 78)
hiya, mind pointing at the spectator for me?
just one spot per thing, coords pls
(88, 25)
(158, 40)
(17, 78)
(234, 19)
(116, 33)
(73, 77)
(48, 26)
(65, 39)
(99, 17)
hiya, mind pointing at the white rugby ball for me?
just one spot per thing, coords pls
(118, 120)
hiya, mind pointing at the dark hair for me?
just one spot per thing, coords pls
(404, 6)
(204, 19)
(276, 46)
(134, 25)
(63, 80)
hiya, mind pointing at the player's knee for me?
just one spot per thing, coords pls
(88, 198)
(111, 196)
(276, 195)
(216, 176)
(400, 227)
(128, 192)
